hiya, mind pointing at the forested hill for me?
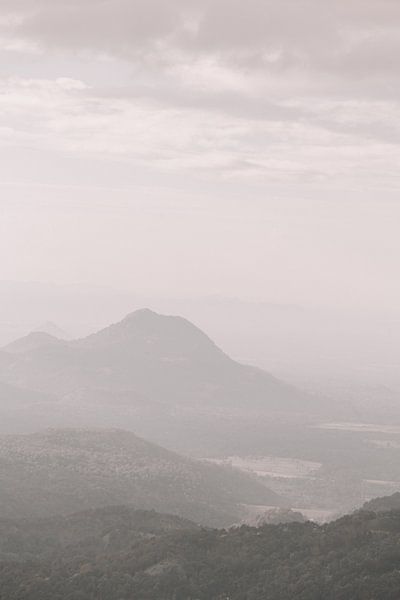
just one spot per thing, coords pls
(59, 472)
(98, 531)
(384, 504)
(354, 558)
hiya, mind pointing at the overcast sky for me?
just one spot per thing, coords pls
(194, 147)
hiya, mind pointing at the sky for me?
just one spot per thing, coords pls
(188, 147)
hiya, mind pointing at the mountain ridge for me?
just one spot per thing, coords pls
(151, 336)
(356, 556)
(178, 388)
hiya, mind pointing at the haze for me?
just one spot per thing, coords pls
(199, 299)
(203, 147)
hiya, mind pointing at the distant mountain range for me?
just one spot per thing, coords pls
(158, 375)
(163, 357)
(62, 471)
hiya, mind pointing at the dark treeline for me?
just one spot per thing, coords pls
(356, 557)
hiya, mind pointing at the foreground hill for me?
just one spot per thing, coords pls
(384, 504)
(95, 532)
(356, 557)
(63, 471)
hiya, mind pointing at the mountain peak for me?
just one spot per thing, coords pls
(141, 313)
(147, 332)
(32, 341)
(52, 329)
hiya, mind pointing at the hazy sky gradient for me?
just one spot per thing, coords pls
(249, 149)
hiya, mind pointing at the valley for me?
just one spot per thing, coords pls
(163, 379)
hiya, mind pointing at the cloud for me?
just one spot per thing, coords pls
(289, 91)
(332, 146)
(292, 38)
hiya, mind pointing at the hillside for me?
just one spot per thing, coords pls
(92, 532)
(63, 471)
(384, 504)
(356, 557)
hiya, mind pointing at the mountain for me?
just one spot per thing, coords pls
(163, 357)
(63, 471)
(170, 382)
(355, 557)
(31, 342)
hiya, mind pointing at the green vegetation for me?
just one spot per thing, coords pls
(356, 557)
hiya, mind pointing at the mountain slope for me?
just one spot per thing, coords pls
(384, 504)
(22, 409)
(63, 471)
(91, 532)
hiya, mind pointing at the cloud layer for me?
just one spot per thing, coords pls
(295, 91)
(190, 105)
(298, 39)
